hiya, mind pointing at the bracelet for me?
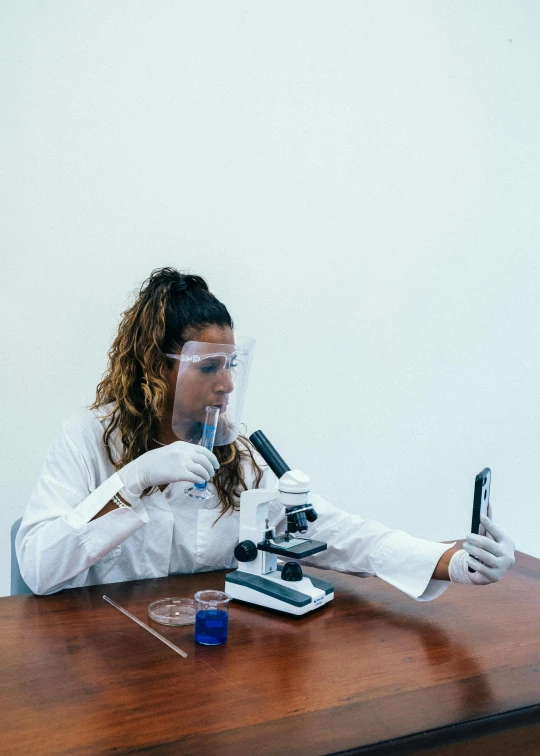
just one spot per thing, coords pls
(119, 502)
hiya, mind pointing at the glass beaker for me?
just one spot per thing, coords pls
(212, 617)
(199, 490)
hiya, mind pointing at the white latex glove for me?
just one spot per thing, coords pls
(168, 464)
(489, 555)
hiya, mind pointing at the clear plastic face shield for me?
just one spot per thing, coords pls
(211, 375)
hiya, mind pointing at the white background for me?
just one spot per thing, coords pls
(358, 182)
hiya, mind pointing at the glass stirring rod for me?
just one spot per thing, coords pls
(199, 490)
(142, 624)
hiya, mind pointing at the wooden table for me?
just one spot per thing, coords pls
(373, 672)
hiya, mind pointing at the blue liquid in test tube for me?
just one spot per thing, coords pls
(208, 438)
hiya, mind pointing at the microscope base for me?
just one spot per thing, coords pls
(272, 592)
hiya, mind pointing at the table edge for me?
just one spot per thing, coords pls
(448, 734)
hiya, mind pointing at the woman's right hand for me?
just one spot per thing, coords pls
(168, 464)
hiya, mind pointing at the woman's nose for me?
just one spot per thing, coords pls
(225, 385)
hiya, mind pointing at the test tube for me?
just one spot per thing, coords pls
(199, 490)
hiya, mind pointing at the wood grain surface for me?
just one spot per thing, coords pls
(372, 672)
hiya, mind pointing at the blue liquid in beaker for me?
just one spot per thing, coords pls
(211, 627)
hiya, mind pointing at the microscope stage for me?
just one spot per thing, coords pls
(303, 547)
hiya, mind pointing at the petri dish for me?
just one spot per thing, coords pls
(172, 611)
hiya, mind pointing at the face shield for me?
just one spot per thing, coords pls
(211, 375)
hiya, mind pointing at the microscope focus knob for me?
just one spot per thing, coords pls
(291, 571)
(246, 551)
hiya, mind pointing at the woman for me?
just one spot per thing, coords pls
(111, 503)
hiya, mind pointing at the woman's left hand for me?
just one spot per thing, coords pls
(490, 556)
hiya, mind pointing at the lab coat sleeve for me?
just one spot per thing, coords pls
(366, 547)
(57, 542)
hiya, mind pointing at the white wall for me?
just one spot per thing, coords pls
(358, 181)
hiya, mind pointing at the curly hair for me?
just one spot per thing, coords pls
(169, 304)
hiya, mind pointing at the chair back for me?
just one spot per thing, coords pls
(18, 585)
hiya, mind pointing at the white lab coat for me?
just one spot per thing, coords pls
(170, 532)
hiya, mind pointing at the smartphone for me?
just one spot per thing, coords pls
(482, 484)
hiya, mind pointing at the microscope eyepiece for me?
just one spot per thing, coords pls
(269, 453)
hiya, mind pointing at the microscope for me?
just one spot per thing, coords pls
(260, 579)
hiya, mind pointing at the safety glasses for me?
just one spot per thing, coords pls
(213, 363)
